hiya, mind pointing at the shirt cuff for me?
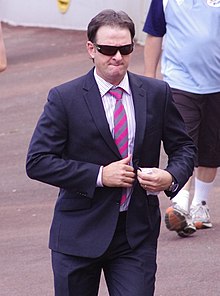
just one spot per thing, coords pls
(99, 178)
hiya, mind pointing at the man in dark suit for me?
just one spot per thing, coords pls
(107, 215)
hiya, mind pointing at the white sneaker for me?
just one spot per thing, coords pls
(179, 220)
(200, 216)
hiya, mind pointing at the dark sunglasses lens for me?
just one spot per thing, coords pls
(108, 50)
(112, 50)
(126, 49)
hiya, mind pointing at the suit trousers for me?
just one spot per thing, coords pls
(127, 271)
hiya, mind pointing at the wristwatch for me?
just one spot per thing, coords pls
(173, 186)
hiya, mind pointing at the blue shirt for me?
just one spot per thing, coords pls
(191, 48)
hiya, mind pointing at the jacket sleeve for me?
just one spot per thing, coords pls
(177, 144)
(47, 160)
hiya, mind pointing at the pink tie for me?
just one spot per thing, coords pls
(120, 128)
(120, 123)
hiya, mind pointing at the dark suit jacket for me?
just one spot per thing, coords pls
(72, 140)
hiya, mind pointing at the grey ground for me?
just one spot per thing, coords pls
(38, 59)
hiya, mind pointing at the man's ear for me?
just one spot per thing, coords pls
(91, 49)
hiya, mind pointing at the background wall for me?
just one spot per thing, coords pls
(45, 13)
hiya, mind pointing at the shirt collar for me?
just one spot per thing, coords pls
(105, 86)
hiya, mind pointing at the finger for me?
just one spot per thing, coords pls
(128, 183)
(130, 174)
(129, 171)
(126, 160)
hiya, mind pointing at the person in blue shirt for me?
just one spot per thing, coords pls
(184, 36)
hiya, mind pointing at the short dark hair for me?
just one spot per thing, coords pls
(109, 17)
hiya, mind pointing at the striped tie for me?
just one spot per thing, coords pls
(120, 123)
(120, 128)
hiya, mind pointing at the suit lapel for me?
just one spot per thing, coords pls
(94, 102)
(95, 106)
(140, 106)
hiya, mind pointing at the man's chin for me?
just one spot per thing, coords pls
(116, 78)
(118, 70)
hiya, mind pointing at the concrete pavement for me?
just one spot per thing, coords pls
(38, 59)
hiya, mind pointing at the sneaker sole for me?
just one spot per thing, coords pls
(202, 225)
(187, 231)
(174, 220)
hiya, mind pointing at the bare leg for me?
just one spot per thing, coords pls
(206, 174)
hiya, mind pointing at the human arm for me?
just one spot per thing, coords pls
(178, 146)
(155, 27)
(56, 153)
(164, 125)
(67, 149)
(154, 179)
(3, 59)
(152, 53)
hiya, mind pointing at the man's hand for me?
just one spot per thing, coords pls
(119, 174)
(154, 179)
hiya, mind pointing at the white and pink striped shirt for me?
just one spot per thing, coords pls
(109, 105)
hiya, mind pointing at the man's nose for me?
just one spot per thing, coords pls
(118, 55)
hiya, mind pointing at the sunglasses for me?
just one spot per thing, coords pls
(110, 50)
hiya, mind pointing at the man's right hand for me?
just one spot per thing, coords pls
(119, 174)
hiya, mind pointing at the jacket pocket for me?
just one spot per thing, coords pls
(74, 204)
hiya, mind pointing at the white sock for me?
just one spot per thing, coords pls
(202, 191)
(182, 199)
